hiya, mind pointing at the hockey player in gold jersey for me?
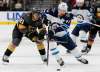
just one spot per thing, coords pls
(27, 26)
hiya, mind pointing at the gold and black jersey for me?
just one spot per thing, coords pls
(29, 24)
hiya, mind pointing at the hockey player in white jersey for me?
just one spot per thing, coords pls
(95, 27)
(60, 21)
(83, 15)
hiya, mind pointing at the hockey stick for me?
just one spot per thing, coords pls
(47, 50)
(48, 45)
(95, 25)
(60, 41)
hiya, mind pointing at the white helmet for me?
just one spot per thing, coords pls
(63, 6)
(79, 2)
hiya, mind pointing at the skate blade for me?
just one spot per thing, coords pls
(5, 63)
(84, 53)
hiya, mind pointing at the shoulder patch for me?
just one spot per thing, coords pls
(21, 21)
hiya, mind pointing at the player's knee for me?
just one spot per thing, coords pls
(42, 34)
(33, 39)
(90, 41)
(16, 42)
(76, 31)
(83, 36)
(76, 52)
(40, 46)
(70, 45)
(12, 45)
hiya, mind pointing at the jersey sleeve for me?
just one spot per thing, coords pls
(44, 19)
(39, 24)
(49, 11)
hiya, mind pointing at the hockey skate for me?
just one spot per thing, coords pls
(82, 60)
(85, 50)
(44, 59)
(68, 51)
(5, 60)
(60, 62)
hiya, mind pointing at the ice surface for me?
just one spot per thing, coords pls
(26, 57)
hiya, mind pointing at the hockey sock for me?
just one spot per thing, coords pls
(43, 54)
(84, 45)
(40, 46)
(55, 52)
(9, 50)
(7, 53)
(83, 38)
(90, 42)
(41, 50)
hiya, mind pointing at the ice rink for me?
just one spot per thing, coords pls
(26, 57)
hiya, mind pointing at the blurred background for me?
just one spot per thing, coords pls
(11, 10)
(25, 5)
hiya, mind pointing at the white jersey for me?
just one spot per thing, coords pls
(82, 15)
